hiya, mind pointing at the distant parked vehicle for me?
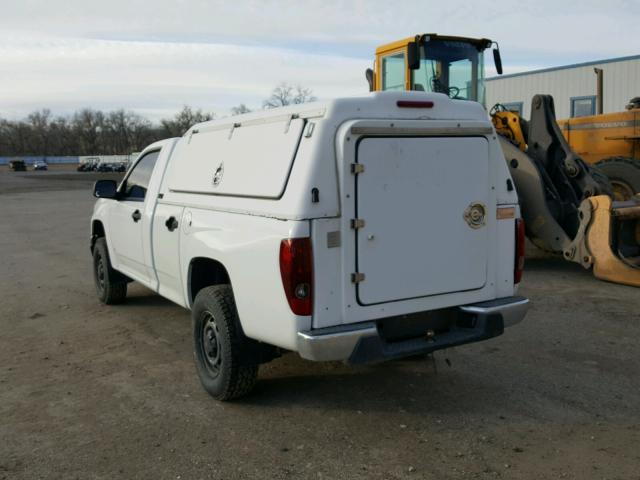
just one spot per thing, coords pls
(91, 165)
(120, 167)
(40, 165)
(17, 166)
(106, 167)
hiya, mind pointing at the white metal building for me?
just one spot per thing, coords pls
(573, 87)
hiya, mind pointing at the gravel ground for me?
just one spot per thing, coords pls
(89, 391)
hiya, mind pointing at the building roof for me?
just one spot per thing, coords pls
(565, 67)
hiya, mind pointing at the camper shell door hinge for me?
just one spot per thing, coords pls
(357, 168)
(357, 277)
(357, 223)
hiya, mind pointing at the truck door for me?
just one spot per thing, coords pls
(128, 221)
(165, 241)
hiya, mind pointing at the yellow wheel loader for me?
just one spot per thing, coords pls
(566, 203)
(611, 142)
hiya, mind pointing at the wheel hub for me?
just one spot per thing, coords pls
(621, 190)
(100, 273)
(210, 341)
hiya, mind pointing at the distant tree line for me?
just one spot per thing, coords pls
(90, 132)
(93, 132)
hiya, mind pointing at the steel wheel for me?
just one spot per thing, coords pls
(111, 286)
(226, 361)
(210, 346)
(100, 273)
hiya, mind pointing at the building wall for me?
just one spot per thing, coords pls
(621, 83)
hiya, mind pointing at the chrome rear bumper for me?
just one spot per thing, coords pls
(362, 342)
(512, 309)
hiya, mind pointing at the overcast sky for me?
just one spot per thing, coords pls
(153, 56)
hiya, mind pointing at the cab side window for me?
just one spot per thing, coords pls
(393, 72)
(136, 184)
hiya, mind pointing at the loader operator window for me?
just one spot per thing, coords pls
(135, 185)
(454, 68)
(393, 72)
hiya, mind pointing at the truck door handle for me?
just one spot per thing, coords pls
(136, 216)
(171, 223)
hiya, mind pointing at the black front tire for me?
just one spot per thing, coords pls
(111, 286)
(226, 366)
(624, 175)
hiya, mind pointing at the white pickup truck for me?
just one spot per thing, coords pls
(358, 229)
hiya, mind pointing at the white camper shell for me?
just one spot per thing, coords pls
(401, 209)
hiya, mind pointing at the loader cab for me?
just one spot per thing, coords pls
(433, 63)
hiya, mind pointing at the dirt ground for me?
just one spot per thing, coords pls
(95, 392)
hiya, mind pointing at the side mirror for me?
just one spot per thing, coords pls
(413, 56)
(369, 74)
(497, 60)
(105, 189)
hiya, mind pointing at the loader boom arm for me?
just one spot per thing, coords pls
(565, 202)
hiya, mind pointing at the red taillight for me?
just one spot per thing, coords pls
(519, 260)
(414, 104)
(296, 269)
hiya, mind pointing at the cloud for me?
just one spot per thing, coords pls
(544, 25)
(157, 78)
(155, 56)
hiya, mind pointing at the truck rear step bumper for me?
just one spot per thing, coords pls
(362, 342)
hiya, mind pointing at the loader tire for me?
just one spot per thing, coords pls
(111, 286)
(624, 175)
(225, 365)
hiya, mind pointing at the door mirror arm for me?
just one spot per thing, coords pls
(497, 60)
(413, 54)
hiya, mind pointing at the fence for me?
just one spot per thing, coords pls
(30, 160)
(107, 158)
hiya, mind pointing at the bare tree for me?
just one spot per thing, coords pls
(90, 132)
(39, 122)
(124, 131)
(15, 137)
(184, 119)
(88, 125)
(240, 109)
(63, 139)
(285, 94)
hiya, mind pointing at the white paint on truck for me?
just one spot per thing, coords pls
(411, 195)
(382, 191)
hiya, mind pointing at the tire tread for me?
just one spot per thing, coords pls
(115, 290)
(242, 372)
(623, 169)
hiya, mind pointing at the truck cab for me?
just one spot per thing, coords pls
(358, 230)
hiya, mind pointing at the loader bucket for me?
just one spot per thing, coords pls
(613, 239)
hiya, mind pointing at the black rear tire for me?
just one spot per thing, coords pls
(624, 175)
(111, 286)
(226, 366)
